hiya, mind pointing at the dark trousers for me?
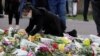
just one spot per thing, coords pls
(1, 7)
(67, 7)
(6, 6)
(13, 12)
(96, 13)
(86, 6)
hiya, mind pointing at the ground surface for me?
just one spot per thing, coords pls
(82, 27)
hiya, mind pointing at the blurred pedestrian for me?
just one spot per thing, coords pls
(85, 11)
(96, 14)
(13, 12)
(1, 9)
(67, 7)
(70, 7)
(6, 7)
(75, 2)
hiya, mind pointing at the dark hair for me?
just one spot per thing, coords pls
(28, 6)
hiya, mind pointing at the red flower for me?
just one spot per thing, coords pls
(55, 45)
(5, 31)
(43, 49)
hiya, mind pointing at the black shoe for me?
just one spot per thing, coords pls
(86, 20)
(98, 35)
(1, 16)
(73, 33)
(74, 15)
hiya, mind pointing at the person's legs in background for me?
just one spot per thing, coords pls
(74, 9)
(33, 2)
(10, 17)
(85, 11)
(70, 7)
(13, 12)
(58, 7)
(1, 9)
(96, 14)
(67, 7)
(16, 14)
(17, 18)
(61, 9)
(52, 6)
(6, 7)
(21, 6)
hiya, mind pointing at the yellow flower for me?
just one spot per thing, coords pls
(21, 32)
(86, 42)
(1, 49)
(65, 40)
(69, 54)
(12, 40)
(31, 38)
(61, 47)
(37, 36)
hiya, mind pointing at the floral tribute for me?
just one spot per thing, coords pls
(19, 43)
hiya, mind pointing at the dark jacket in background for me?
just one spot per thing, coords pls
(42, 3)
(1, 7)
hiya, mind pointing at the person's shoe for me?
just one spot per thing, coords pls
(98, 35)
(1, 16)
(72, 33)
(74, 15)
(86, 20)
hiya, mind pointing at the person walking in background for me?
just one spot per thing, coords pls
(58, 7)
(96, 14)
(1, 9)
(13, 12)
(85, 11)
(67, 7)
(6, 6)
(74, 7)
(70, 7)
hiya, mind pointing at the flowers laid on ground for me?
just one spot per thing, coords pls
(18, 43)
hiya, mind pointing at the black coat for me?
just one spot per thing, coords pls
(46, 21)
(96, 13)
(41, 3)
(75, 0)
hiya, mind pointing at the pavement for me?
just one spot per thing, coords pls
(83, 28)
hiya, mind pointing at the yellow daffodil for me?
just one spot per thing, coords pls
(61, 47)
(65, 40)
(37, 36)
(86, 42)
(31, 38)
(69, 54)
(1, 49)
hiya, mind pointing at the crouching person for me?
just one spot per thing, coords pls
(46, 21)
